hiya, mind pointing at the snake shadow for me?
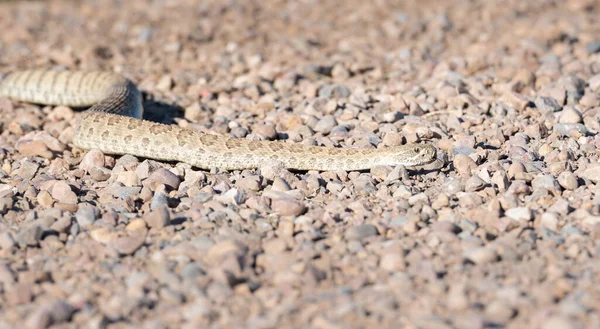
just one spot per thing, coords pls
(159, 111)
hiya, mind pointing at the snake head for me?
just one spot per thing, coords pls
(418, 155)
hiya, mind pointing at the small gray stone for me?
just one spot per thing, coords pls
(334, 91)
(593, 47)
(159, 200)
(571, 230)
(545, 181)
(547, 104)
(464, 150)
(398, 221)
(326, 124)
(86, 215)
(233, 196)
(29, 235)
(191, 271)
(564, 129)
(453, 186)
(568, 180)
(474, 183)
(360, 232)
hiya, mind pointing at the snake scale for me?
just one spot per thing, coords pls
(114, 125)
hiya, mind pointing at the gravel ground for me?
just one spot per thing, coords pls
(506, 235)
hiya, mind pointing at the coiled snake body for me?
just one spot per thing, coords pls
(113, 125)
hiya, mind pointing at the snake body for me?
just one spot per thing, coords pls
(113, 125)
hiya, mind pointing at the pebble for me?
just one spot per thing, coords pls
(570, 115)
(100, 174)
(559, 322)
(568, 180)
(158, 218)
(34, 148)
(515, 169)
(288, 206)
(326, 124)
(127, 245)
(61, 191)
(233, 196)
(267, 131)
(136, 224)
(29, 236)
(102, 235)
(162, 176)
(592, 173)
(392, 262)
(44, 199)
(464, 164)
(251, 183)
(564, 129)
(129, 178)
(93, 158)
(593, 47)
(53, 313)
(279, 184)
(159, 200)
(498, 312)
(474, 183)
(359, 232)
(481, 255)
(549, 220)
(546, 182)
(334, 91)
(547, 104)
(519, 214)
(86, 215)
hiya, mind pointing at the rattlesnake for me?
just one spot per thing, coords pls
(113, 125)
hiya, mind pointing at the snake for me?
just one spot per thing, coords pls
(113, 124)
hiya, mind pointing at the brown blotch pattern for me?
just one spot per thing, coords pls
(333, 151)
(254, 145)
(296, 148)
(208, 140)
(113, 120)
(134, 124)
(275, 147)
(128, 138)
(105, 134)
(91, 131)
(183, 137)
(145, 141)
(158, 129)
(232, 143)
